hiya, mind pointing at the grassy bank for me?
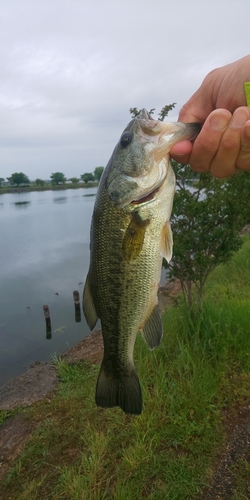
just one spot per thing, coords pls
(193, 387)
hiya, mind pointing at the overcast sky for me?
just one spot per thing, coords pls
(71, 69)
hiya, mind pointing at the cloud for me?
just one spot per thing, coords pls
(70, 71)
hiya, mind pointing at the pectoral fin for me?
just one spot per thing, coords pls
(166, 248)
(88, 306)
(134, 237)
(152, 330)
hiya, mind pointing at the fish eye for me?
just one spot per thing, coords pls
(126, 139)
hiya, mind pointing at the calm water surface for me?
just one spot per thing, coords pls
(44, 257)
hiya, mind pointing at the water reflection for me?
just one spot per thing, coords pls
(76, 297)
(60, 199)
(47, 322)
(21, 204)
(52, 255)
(46, 312)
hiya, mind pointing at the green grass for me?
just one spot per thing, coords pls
(202, 368)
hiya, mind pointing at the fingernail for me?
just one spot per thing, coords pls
(180, 155)
(240, 117)
(218, 122)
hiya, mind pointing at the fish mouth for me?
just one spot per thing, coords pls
(147, 198)
(133, 191)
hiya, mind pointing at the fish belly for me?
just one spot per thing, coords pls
(124, 289)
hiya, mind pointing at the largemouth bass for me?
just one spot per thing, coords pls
(130, 234)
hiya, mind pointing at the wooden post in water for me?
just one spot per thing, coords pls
(77, 306)
(47, 321)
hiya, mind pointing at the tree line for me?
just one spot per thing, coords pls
(19, 178)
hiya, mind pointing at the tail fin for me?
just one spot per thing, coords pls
(124, 392)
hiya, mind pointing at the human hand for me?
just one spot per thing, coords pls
(223, 144)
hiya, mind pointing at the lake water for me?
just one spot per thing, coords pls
(44, 257)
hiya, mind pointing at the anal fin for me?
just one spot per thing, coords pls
(88, 306)
(152, 330)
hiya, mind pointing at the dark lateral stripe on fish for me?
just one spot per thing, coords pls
(124, 392)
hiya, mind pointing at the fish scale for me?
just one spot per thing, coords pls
(130, 233)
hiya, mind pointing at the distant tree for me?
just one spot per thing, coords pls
(18, 178)
(206, 220)
(58, 178)
(74, 180)
(39, 182)
(135, 112)
(98, 173)
(1, 181)
(87, 177)
(161, 116)
(165, 110)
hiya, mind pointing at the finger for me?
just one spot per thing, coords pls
(200, 104)
(207, 143)
(180, 151)
(224, 162)
(243, 160)
(195, 109)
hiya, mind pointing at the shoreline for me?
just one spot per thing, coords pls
(62, 187)
(40, 378)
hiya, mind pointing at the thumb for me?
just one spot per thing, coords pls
(196, 108)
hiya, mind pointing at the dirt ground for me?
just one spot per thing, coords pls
(40, 381)
(37, 383)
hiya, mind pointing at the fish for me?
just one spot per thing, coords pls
(130, 234)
